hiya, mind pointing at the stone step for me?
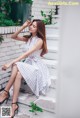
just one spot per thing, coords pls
(53, 40)
(46, 103)
(52, 71)
(50, 63)
(43, 114)
(52, 66)
(49, 98)
(53, 37)
(49, 101)
(52, 29)
(24, 110)
(53, 82)
(53, 43)
(52, 53)
(26, 98)
(53, 49)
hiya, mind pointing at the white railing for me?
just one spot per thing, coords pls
(10, 30)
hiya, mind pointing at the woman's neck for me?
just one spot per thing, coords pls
(33, 35)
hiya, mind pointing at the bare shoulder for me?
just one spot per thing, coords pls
(40, 40)
(38, 44)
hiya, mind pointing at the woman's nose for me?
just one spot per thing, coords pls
(30, 26)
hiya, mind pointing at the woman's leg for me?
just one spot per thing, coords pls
(10, 82)
(16, 88)
(12, 78)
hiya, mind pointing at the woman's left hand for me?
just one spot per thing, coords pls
(6, 66)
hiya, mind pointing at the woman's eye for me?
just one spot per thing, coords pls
(34, 26)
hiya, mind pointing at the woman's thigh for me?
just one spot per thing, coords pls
(19, 75)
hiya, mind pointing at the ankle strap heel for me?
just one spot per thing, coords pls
(8, 96)
(16, 110)
(15, 103)
(7, 92)
(6, 99)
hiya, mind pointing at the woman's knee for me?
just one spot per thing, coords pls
(19, 75)
(14, 67)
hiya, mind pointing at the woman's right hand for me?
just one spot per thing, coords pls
(27, 23)
(6, 66)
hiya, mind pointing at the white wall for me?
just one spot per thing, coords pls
(68, 86)
(39, 5)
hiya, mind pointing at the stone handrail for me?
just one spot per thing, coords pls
(10, 29)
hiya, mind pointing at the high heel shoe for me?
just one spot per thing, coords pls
(6, 99)
(16, 110)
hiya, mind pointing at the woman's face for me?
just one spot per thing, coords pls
(33, 28)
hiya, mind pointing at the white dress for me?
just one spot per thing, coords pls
(34, 70)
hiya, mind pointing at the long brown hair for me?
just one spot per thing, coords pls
(41, 34)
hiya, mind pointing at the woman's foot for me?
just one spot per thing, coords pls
(14, 109)
(4, 96)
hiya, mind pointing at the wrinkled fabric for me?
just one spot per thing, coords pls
(34, 70)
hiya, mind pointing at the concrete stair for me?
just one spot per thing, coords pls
(53, 41)
(43, 114)
(48, 102)
(52, 66)
(52, 53)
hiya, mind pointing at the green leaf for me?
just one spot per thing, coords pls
(35, 107)
(1, 38)
(44, 15)
(41, 12)
(31, 110)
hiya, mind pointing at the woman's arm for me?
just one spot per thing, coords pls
(21, 38)
(37, 46)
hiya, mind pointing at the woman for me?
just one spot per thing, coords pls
(33, 70)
